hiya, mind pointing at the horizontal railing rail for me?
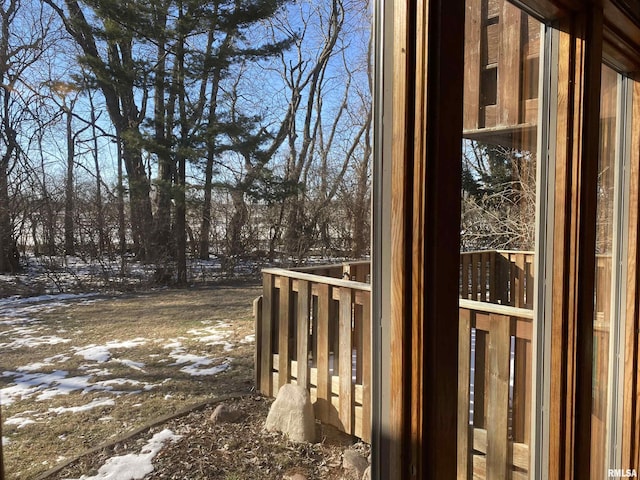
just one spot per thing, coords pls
(356, 270)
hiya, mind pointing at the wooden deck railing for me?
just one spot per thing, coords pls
(316, 331)
(494, 384)
(498, 276)
(314, 328)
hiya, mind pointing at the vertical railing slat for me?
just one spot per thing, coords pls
(521, 391)
(480, 379)
(493, 295)
(323, 403)
(519, 284)
(284, 360)
(498, 458)
(484, 260)
(366, 367)
(304, 310)
(345, 355)
(530, 272)
(358, 334)
(465, 276)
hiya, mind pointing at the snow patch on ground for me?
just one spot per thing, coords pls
(50, 385)
(45, 379)
(214, 335)
(32, 342)
(102, 353)
(131, 364)
(134, 466)
(51, 301)
(196, 369)
(98, 402)
(19, 421)
(197, 362)
(47, 362)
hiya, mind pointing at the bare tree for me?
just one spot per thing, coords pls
(108, 49)
(328, 132)
(498, 198)
(24, 37)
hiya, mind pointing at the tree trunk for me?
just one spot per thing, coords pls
(122, 236)
(140, 201)
(235, 242)
(180, 230)
(162, 120)
(181, 161)
(69, 240)
(8, 251)
(102, 241)
(205, 229)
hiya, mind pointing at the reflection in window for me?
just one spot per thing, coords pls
(502, 50)
(603, 276)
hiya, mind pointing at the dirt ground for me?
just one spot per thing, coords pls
(146, 360)
(242, 450)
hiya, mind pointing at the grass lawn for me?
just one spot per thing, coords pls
(77, 372)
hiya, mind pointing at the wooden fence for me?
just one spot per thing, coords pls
(315, 331)
(494, 384)
(495, 372)
(504, 277)
(313, 328)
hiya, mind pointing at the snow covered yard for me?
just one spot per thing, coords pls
(79, 370)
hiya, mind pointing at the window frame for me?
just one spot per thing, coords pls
(414, 292)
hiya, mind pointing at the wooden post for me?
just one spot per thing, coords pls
(266, 362)
(257, 328)
(493, 295)
(465, 437)
(426, 171)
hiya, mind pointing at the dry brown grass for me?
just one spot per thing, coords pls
(160, 318)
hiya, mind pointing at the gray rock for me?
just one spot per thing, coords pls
(292, 414)
(294, 476)
(367, 473)
(354, 462)
(224, 414)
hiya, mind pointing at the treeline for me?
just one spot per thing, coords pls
(169, 129)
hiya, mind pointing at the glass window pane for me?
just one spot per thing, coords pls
(502, 57)
(605, 229)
